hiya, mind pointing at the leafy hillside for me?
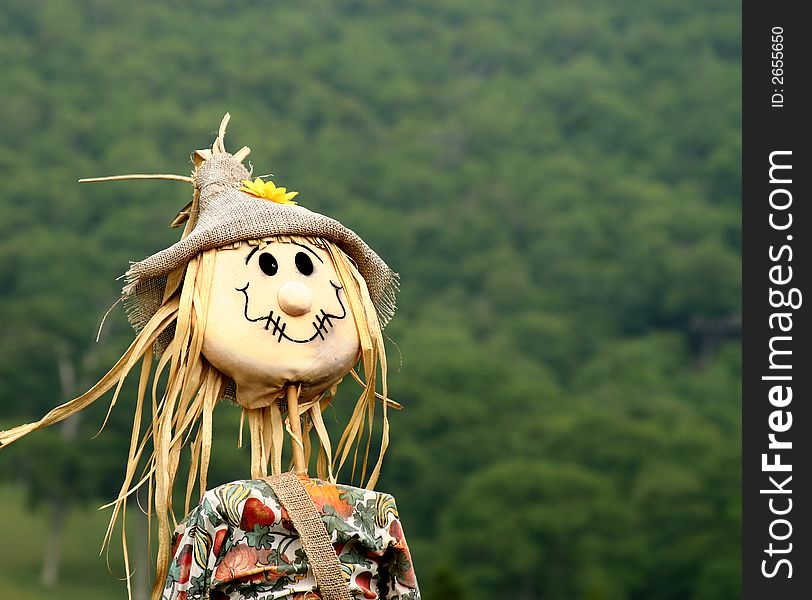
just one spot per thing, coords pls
(557, 184)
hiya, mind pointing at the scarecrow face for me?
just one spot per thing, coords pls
(279, 314)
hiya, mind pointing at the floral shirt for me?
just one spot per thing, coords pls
(239, 543)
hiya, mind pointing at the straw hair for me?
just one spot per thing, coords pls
(181, 412)
(167, 299)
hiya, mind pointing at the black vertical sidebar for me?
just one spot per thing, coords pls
(777, 227)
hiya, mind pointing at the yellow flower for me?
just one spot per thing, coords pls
(267, 190)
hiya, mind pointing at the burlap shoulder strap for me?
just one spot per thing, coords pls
(323, 560)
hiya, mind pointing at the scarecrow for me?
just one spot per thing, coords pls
(270, 305)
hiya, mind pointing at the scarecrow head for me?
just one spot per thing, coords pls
(278, 315)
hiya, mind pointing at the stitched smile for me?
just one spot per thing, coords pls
(320, 325)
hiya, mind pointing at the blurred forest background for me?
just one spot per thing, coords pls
(557, 183)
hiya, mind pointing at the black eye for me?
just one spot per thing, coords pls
(303, 263)
(268, 264)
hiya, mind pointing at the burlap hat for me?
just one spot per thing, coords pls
(223, 214)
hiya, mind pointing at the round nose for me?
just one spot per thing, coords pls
(295, 298)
